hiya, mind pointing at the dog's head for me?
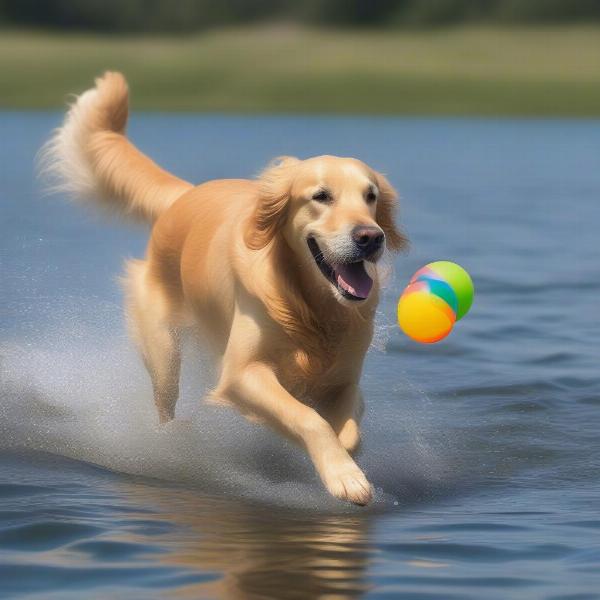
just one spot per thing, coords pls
(336, 213)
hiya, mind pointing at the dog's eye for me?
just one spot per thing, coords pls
(371, 196)
(322, 196)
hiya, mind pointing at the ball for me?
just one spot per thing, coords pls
(424, 316)
(455, 276)
(437, 296)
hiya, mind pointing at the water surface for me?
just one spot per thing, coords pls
(484, 449)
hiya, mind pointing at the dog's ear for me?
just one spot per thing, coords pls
(385, 213)
(275, 184)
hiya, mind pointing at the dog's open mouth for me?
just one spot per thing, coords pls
(350, 279)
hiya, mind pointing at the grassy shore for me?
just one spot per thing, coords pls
(459, 71)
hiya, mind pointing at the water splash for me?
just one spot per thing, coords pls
(76, 387)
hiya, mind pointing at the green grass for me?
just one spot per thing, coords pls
(459, 71)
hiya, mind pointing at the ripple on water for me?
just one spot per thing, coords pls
(25, 579)
(587, 524)
(10, 490)
(526, 389)
(41, 536)
(522, 406)
(110, 550)
(147, 527)
(469, 582)
(593, 400)
(583, 596)
(469, 526)
(554, 358)
(479, 552)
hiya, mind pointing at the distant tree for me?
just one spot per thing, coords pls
(548, 10)
(348, 12)
(192, 15)
(443, 12)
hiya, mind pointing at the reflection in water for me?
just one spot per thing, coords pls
(259, 552)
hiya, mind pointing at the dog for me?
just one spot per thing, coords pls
(277, 275)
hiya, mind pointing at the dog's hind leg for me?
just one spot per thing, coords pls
(152, 323)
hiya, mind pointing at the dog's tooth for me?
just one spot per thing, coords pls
(345, 285)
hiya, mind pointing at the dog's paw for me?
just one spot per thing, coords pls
(349, 483)
(176, 426)
(349, 436)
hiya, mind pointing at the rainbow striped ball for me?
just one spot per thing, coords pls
(437, 296)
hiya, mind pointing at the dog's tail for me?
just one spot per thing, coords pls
(90, 157)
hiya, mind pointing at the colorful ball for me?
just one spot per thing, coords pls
(425, 316)
(437, 296)
(455, 276)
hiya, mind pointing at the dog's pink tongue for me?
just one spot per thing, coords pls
(354, 279)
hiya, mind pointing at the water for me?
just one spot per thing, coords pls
(484, 449)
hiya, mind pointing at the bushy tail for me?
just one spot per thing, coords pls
(91, 159)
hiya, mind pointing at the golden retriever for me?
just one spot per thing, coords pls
(276, 274)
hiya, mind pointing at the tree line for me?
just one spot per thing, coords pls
(195, 15)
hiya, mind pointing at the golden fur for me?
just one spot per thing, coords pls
(231, 260)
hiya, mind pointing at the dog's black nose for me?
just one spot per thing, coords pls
(368, 238)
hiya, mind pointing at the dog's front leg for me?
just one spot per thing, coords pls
(257, 391)
(344, 410)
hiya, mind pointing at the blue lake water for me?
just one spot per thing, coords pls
(484, 449)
